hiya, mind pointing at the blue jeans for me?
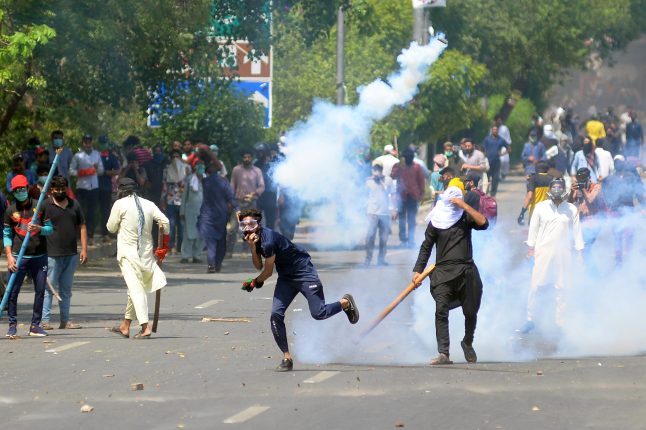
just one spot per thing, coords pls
(284, 295)
(407, 214)
(37, 267)
(61, 275)
(176, 226)
(376, 223)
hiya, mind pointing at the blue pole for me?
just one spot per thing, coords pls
(34, 220)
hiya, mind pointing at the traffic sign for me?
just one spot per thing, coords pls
(258, 91)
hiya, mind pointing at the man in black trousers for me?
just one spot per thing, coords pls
(455, 280)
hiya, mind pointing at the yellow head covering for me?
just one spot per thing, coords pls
(457, 182)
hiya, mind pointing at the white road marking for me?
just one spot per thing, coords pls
(66, 347)
(246, 415)
(207, 304)
(320, 377)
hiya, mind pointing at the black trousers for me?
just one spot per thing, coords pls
(465, 291)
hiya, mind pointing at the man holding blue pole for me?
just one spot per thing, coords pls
(17, 223)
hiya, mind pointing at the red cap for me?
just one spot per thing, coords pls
(19, 181)
(40, 150)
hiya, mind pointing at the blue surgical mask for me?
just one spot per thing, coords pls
(58, 143)
(21, 196)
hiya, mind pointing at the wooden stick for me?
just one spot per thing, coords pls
(397, 301)
(160, 238)
(53, 291)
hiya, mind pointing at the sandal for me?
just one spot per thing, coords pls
(441, 358)
(117, 329)
(140, 336)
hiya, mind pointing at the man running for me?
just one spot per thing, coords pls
(296, 274)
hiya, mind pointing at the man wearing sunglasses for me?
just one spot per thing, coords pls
(296, 274)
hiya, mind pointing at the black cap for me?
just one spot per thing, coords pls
(473, 178)
(87, 137)
(17, 157)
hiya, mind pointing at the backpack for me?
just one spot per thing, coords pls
(488, 206)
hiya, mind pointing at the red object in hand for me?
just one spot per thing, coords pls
(87, 172)
(162, 248)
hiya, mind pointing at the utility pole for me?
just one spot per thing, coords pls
(421, 22)
(340, 58)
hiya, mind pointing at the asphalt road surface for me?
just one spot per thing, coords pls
(197, 374)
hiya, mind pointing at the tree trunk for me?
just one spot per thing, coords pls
(12, 108)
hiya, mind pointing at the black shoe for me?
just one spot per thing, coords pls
(196, 261)
(184, 261)
(351, 311)
(210, 269)
(469, 352)
(286, 365)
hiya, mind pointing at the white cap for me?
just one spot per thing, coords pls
(389, 148)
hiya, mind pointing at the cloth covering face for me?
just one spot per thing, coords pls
(124, 220)
(444, 214)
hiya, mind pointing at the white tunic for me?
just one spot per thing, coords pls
(552, 232)
(124, 220)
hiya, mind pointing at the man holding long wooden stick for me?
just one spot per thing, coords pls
(132, 218)
(455, 280)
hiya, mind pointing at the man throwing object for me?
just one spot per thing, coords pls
(296, 274)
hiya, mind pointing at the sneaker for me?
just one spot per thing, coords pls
(68, 325)
(35, 330)
(184, 261)
(469, 352)
(46, 326)
(441, 358)
(12, 332)
(528, 327)
(286, 365)
(351, 311)
(210, 269)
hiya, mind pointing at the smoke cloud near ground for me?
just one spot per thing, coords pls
(603, 314)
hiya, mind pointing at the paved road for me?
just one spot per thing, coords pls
(205, 375)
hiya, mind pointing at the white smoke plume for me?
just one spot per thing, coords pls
(320, 169)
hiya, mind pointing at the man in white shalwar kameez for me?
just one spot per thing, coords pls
(553, 229)
(132, 219)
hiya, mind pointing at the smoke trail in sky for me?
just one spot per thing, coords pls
(320, 168)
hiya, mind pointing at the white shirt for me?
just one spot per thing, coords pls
(606, 163)
(503, 131)
(552, 232)
(83, 160)
(388, 161)
(124, 220)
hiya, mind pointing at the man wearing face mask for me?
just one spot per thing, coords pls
(17, 222)
(247, 184)
(67, 219)
(533, 152)
(586, 157)
(19, 169)
(410, 189)
(492, 145)
(381, 209)
(65, 156)
(296, 274)
(192, 199)
(218, 201)
(554, 229)
(87, 166)
(588, 199)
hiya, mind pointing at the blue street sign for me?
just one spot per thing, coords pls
(259, 92)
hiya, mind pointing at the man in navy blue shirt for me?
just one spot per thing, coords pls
(296, 274)
(492, 145)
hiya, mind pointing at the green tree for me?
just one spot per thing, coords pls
(528, 45)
